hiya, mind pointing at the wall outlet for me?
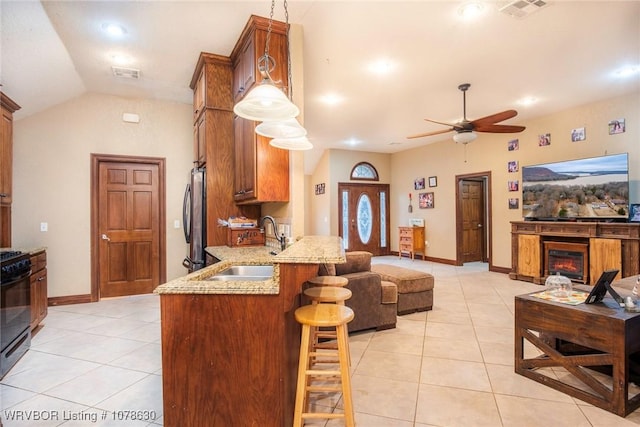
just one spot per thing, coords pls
(44, 226)
(426, 242)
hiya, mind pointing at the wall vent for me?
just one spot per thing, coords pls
(128, 73)
(523, 8)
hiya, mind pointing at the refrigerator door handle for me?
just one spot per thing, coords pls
(186, 214)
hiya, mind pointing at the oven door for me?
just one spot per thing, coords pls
(15, 308)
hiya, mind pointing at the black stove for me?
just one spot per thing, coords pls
(15, 307)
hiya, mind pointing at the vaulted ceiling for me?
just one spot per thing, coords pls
(564, 54)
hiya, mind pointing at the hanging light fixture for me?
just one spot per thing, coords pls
(266, 101)
(289, 128)
(299, 144)
(465, 137)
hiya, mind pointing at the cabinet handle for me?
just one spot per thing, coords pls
(40, 279)
(196, 112)
(4, 195)
(241, 89)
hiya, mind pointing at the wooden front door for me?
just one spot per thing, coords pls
(129, 233)
(364, 217)
(472, 228)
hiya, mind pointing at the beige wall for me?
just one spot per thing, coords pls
(489, 152)
(52, 176)
(334, 167)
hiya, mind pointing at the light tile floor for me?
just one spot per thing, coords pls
(452, 366)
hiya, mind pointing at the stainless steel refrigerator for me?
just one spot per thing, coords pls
(194, 219)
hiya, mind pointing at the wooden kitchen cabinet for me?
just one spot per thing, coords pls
(262, 171)
(411, 240)
(39, 298)
(211, 84)
(6, 168)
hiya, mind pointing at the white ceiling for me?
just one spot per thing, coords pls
(564, 55)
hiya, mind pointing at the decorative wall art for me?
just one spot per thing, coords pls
(514, 203)
(578, 134)
(433, 181)
(319, 189)
(513, 185)
(418, 184)
(616, 126)
(426, 200)
(512, 166)
(513, 145)
(634, 212)
(544, 139)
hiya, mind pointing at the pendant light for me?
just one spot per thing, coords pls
(266, 101)
(296, 144)
(289, 128)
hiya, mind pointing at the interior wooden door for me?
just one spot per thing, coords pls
(364, 217)
(129, 217)
(472, 220)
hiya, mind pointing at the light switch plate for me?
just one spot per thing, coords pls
(44, 226)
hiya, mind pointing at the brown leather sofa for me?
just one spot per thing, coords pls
(373, 301)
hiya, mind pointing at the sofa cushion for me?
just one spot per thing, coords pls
(356, 261)
(408, 281)
(389, 292)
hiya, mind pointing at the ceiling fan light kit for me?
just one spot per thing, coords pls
(465, 137)
(466, 129)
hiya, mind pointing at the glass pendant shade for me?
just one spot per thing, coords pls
(292, 143)
(464, 137)
(266, 102)
(289, 128)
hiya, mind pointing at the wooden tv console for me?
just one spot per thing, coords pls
(609, 245)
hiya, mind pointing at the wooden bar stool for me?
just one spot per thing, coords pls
(328, 281)
(316, 316)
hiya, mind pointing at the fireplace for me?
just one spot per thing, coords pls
(567, 259)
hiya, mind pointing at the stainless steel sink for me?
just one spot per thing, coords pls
(244, 273)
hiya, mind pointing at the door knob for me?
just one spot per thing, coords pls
(479, 225)
(105, 237)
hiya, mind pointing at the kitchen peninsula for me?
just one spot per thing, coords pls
(230, 348)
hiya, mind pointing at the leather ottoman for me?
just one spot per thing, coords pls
(415, 288)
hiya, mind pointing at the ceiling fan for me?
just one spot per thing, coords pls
(465, 129)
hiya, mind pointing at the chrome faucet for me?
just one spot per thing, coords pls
(281, 239)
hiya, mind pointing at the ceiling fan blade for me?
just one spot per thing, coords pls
(495, 118)
(441, 123)
(499, 128)
(422, 135)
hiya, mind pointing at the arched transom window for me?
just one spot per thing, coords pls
(364, 171)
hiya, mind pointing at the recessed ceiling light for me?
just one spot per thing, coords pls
(527, 100)
(382, 66)
(331, 99)
(115, 30)
(353, 142)
(627, 71)
(471, 10)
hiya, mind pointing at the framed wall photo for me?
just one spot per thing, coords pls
(634, 212)
(544, 139)
(578, 134)
(513, 185)
(425, 200)
(433, 181)
(512, 166)
(616, 126)
(418, 184)
(514, 203)
(513, 145)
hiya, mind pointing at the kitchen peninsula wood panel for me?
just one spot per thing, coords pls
(39, 297)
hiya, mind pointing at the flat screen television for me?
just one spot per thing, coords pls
(592, 189)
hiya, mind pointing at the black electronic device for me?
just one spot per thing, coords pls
(602, 286)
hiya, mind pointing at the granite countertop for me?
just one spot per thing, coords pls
(30, 251)
(308, 250)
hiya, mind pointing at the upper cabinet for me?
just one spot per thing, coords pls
(261, 171)
(6, 168)
(211, 84)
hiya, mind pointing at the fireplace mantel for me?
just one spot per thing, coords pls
(610, 245)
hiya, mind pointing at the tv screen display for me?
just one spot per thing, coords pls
(596, 188)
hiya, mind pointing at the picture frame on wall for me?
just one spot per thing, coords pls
(433, 181)
(513, 185)
(513, 145)
(514, 203)
(578, 134)
(418, 184)
(616, 126)
(634, 212)
(425, 200)
(513, 166)
(544, 139)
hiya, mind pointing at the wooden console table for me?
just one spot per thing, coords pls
(610, 246)
(606, 335)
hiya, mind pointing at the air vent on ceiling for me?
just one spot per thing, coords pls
(129, 73)
(523, 8)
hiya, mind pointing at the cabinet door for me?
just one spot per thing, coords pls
(200, 141)
(245, 151)
(6, 157)
(604, 254)
(199, 93)
(38, 297)
(244, 74)
(529, 255)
